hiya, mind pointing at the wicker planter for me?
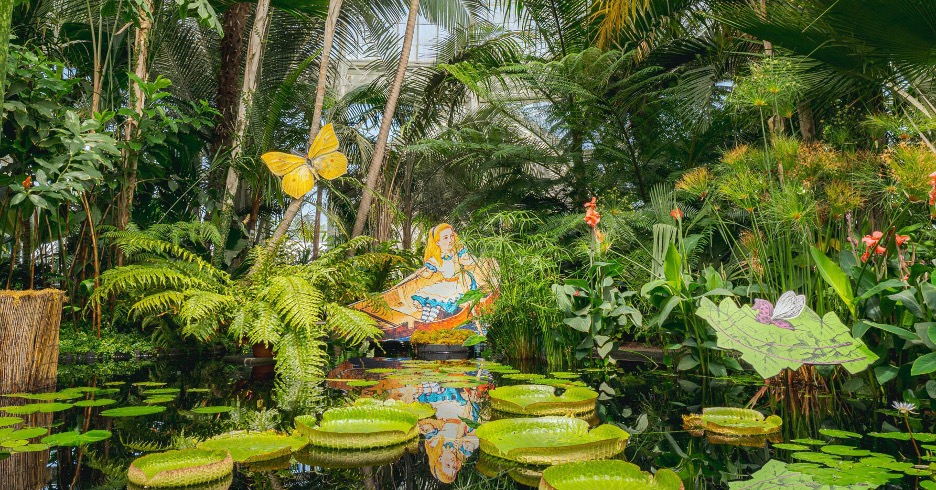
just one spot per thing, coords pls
(29, 337)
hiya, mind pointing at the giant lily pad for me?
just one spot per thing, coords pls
(542, 400)
(550, 440)
(76, 438)
(355, 458)
(777, 474)
(732, 422)
(180, 468)
(134, 411)
(251, 447)
(607, 475)
(422, 410)
(360, 427)
(223, 484)
(770, 348)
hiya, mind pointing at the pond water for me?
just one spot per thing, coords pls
(648, 403)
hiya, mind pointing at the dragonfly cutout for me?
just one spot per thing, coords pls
(299, 172)
(789, 306)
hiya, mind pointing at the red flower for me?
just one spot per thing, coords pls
(592, 204)
(879, 250)
(865, 256)
(901, 239)
(677, 214)
(872, 239)
(27, 183)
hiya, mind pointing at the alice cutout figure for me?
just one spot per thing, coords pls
(446, 258)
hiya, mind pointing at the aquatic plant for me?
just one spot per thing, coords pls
(542, 400)
(251, 447)
(422, 410)
(180, 468)
(134, 411)
(732, 422)
(360, 427)
(607, 475)
(75, 438)
(355, 458)
(550, 440)
(17, 440)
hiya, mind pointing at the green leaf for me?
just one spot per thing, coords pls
(134, 411)
(180, 468)
(909, 301)
(608, 474)
(359, 427)
(672, 266)
(212, 410)
(834, 276)
(881, 286)
(769, 349)
(580, 323)
(924, 364)
(75, 438)
(900, 332)
(549, 440)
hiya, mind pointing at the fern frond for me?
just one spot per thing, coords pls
(296, 300)
(144, 446)
(157, 303)
(265, 325)
(132, 278)
(202, 306)
(351, 325)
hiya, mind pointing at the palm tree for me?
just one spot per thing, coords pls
(251, 78)
(380, 147)
(331, 24)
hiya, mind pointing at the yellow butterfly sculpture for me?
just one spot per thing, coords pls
(299, 172)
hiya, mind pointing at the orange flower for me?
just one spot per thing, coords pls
(879, 250)
(599, 236)
(676, 214)
(932, 192)
(901, 239)
(27, 183)
(865, 256)
(872, 239)
(592, 216)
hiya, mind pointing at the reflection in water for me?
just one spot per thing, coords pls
(650, 402)
(448, 439)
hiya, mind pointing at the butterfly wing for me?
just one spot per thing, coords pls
(790, 305)
(331, 166)
(299, 182)
(326, 141)
(282, 163)
(764, 310)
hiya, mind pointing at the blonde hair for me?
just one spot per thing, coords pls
(433, 251)
(434, 453)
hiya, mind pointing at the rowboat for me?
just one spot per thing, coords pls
(398, 317)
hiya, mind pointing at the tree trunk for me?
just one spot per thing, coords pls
(251, 79)
(380, 147)
(331, 25)
(6, 17)
(29, 332)
(807, 122)
(232, 50)
(138, 102)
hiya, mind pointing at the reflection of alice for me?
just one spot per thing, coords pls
(446, 259)
(448, 445)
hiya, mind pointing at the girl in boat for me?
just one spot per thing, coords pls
(447, 259)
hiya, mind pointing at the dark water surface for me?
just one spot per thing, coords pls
(648, 403)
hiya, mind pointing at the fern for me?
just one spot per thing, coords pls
(351, 325)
